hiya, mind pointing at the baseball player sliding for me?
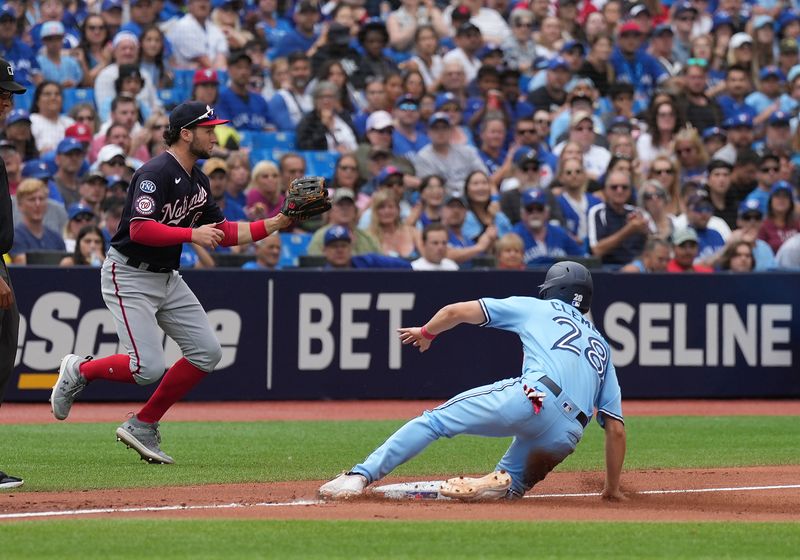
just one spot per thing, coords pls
(168, 204)
(566, 374)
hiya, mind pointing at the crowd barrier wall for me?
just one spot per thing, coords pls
(304, 334)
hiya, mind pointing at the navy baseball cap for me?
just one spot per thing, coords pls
(534, 196)
(750, 206)
(17, 115)
(407, 103)
(573, 44)
(663, 28)
(455, 197)
(112, 5)
(787, 17)
(193, 113)
(524, 157)
(720, 19)
(94, 176)
(36, 169)
(779, 118)
(714, 131)
(337, 233)
(114, 180)
(386, 173)
(781, 186)
(466, 28)
(558, 63)
(445, 98)
(771, 72)
(742, 120)
(7, 11)
(78, 209)
(439, 117)
(489, 49)
(621, 124)
(70, 145)
(684, 7)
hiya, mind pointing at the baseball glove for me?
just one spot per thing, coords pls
(307, 197)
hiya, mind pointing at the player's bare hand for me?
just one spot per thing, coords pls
(613, 495)
(413, 336)
(207, 236)
(6, 296)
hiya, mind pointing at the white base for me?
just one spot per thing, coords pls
(427, 490)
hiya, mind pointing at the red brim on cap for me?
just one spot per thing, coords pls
(213, 122)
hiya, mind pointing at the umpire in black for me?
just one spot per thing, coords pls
(9, 314)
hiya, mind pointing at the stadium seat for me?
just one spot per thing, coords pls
(73, 96)
(170, 98)
(311, 261)
(293, 246)
(183, 82)
(483, 261)
(24, 100)
(45, 258)
(223, 77)
(320, 163)
(231, 260)
(524, 81)
(268, 140)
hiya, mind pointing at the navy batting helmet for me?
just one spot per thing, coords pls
(569, 282)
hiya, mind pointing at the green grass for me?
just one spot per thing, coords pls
(85, 456)
(195, 539)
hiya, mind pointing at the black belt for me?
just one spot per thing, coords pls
(136, 263)
(556, 390)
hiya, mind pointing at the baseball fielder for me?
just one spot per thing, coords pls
(168, 204)
(566, 374)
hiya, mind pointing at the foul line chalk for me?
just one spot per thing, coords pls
(156, 509)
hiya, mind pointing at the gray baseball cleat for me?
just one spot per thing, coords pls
(346, 485)
(143, 438)
(69, 384)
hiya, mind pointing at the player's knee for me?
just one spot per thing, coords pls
(149, 371)
(207, 358)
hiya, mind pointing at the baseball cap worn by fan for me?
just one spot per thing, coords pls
(109, 152)
(524, 157)
(750, 206)
(7, 11)
(7, 78)
(193, 113)
(379, 120)
(36, 169)
(579, 117)
(407, 102)
(387, 172)
(205, 76)
(51, 29)
(683, 236)
(68, 145)
(343, 193)
(79, 132)
(534, 196)
(78, 209)
(439, 117)
(457, 198)
(630, 27)
(781, 186)
(337, 233)
(17, 115)
(740, 39)
(215, 164)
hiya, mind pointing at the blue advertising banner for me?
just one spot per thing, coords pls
(309, 334)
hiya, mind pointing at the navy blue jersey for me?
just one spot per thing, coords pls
(162, 191)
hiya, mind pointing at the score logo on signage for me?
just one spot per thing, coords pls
(316, 346)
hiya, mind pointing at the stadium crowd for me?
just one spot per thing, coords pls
(643, 137)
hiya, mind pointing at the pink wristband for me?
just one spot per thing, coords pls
(424, 332)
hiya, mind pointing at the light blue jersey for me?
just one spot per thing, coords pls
(559, 342)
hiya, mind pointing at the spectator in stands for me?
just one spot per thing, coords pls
(468, 41)
(345, 176)
(719, 191)
(268, 253)
(691, 154)
(527, 174)
(461, 248)
(13, 164)
(510, 250)
(552, 95)
(738, 86)
(375, 95)
(453, 162)
(30, 233)
(771, 83)
(89, 249)
(70, 156)
(18, 132)
(663, 122)
(597, 66)
(633, 65)
(714, 139)
(621, 96)
(738, 257)
(701, 111)
(407, 139)
(781, 222)
(519, 48)
(125, 51)
(92, 189)
(217, 170)
(226, 17)
(788, 256)
(111, 12)
(778, 135)
(83, 133)
(482, 211)
(264, 196)
(290, 103)
(79, 217)
(205, 86)
(304, 36)
(271, 26)
(434, 250)
(493, 137)
(57, 67)
(740, 136)
(155, 125)
(768, 169)
(129, 83)
(581, 131)
(661, 48)
(344, 213)
(787, 54)
(111, 216)
(617, 230)
(655, 257)
(453, 106)
(48, 124)
(323, 128)
(338, 253)
(699, 211)
(239, 176)
(117, 188)
(142, 15)
(543, 240)
(245, 110)
(653, 199)
(14, 50)
(514, 103)
(395, 237)
(153, 58)
(580, 97)
(426, 59)
(428, 209)
(373, 38)
(349, 99)
(454, 80)
(685, 247)
(549, 39)
(404, 23)
(575, 201)
(196, 41)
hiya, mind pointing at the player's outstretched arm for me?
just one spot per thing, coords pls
(242, 233)
(445, 319)
(615, 456)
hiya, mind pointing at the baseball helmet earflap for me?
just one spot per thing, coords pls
(569, 282)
